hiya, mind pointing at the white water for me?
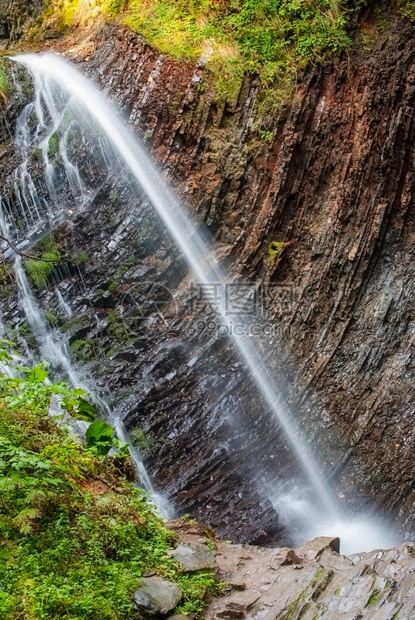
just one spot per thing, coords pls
(47, 69)
(65, 308)
(57, 355)
(304, 521)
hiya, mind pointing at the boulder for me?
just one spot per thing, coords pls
(194, 557)
(157, 596)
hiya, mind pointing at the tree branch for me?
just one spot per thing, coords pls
(24, 255)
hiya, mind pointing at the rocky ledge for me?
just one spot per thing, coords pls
(311, 582)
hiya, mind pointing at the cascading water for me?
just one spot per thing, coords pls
(56, 354)
(57, 81)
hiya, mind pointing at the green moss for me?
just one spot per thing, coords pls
(275, 248)
(76, 537)
(374, 599)
(53, 145)
(40, 270)
(37, 154)
(407, 8)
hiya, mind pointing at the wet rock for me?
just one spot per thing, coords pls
(157, 596)
(195, 557)
(376, 585)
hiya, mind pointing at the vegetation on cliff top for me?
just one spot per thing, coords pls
(75, 535)
(272, 37)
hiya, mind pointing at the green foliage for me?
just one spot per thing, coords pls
(40, 270)
(82, 349)
(79, 259)
(4, 83)
(144, 443)
(117, 327)
(266, 136)
(275, 248)
(114, 7)
(99, 436)
(51, 316)
(407, 8)
(75, 537)
(272, 37)
(6, 281)
(367, 40)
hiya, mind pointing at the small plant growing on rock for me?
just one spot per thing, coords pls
(40, 270)
(275, 248)
(77, 260)
(266, 137)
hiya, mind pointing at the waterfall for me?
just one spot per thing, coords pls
(4, 367)
(58, 81)
(191, 243)
(56, 354)
(66, 309)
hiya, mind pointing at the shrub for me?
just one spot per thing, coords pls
(75, 536)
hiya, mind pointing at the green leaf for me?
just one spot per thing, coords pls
(86, 411)
(99, 436)
(123, 448)
(37, 375)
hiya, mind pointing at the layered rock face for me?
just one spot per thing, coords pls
(333, 188)
(16, 17)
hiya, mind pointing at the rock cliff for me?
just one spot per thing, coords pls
(332, 186)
